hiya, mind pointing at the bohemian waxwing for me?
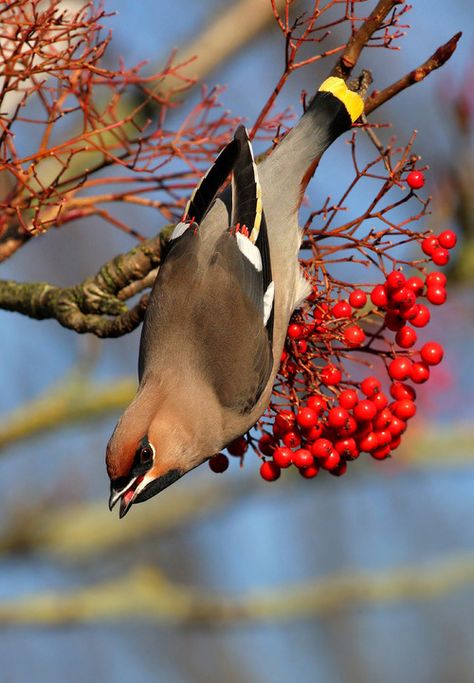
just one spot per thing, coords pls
(220, 305)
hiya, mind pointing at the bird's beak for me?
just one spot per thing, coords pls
(140, 489)
(126, 495)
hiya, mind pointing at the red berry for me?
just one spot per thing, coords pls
(419, 373)
(379, 296)
(266, 444)
(291, 439)
(330, 375)
(314, 294)
(313, 433)
(440, 256)
(404, 410)
(316, 403)
(303, 458)
(302, 345)
(321, 448)
(363, 428)
(342, 309)
(415, 180)
(238, 446)
(371, 386)
(348, 428)
(436, 278)
(348, 398)
(399, 368)
(436, 295)
(383, 420)
(416, 285)
(395, 442)
(340, 470)
(364, 411)
(384, 437)
(447, 239)
(380, 401)
(283, 457)
(396, 426)
(277, 431)
(309, 472)
(357, 298)
(285, 420)
(394, 321)
(369, 442)
(269, 471)
(395, 279)
(332, 461)
(406, 337)
(354, 336)
(306, 417)
(381, 453)
(399, 391)
(295, 331)
(404, 298)
(410, 313)
(423, 316)
(432, 353)
(337, 417)
(219, 463)
(347, 448)
(429, 244)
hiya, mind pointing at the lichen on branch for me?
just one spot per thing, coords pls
(96, 305)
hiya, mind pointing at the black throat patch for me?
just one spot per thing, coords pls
(158, 485)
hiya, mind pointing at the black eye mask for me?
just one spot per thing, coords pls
(143, 459)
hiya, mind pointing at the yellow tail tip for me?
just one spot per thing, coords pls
(350, 99)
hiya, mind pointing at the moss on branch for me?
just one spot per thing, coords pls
(96, 305)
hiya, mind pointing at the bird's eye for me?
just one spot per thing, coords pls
(146, 455)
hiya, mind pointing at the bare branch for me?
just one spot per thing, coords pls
(86, 307)
(436, 60)
(146, 591)
(74, 400)
(349, 58)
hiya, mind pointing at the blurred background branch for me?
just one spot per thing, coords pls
(146, 594)
(221, 550)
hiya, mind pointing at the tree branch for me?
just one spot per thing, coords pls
(97, 304)
(148, 594)
(349, 58)
(437, 59)
(229, 32)
(74, 400)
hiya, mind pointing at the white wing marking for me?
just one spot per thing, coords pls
(268, 302)
(179, 229)
(249, 250)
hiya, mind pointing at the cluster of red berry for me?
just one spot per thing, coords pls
(323, 418)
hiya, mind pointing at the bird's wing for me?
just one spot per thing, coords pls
(204, 317)
(247, 212)
(246, 190)
(205, 193)
(211, 308)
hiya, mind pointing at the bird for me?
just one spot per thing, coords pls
(219, 309)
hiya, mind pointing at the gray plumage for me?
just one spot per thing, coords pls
(220, 306)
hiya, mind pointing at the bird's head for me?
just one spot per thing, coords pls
(151, 449)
